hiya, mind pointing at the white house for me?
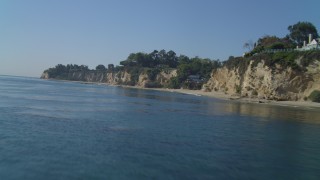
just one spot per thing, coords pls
(313, 44)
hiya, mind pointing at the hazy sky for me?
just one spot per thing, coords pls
(38, 34)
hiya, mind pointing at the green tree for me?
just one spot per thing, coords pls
(154, 58)
(315, 96)
(182, 59)
(84, 68)
(110, 66)
(171, 60)
(248, 45)
(300, 31)
(142, 59)
(100, 67)
(174, 83)
(267, 40)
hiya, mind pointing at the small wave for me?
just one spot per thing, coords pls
(119, 129)
(45, 115)
(193, 94)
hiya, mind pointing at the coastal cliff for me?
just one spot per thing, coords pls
(280, 76)
(257, 78)
(87, 76)
(123, 77)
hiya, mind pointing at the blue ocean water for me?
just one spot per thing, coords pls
(67, 130)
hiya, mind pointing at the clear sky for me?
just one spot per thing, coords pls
(38, 34)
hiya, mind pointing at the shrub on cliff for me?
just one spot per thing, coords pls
(174, 83)
(309, 57)
(134, 73)
(153, 85)
(285, 59)
(237, 62)
(152, 73)
(315, 96)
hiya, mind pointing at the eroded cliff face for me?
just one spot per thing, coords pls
(88, 76)
(164, 76)
(118, 78)
(161, 79)
(261, 81)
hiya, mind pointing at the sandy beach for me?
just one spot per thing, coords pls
(223, 96)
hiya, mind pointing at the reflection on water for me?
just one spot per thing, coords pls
(221, 107)
(158, 95)
(266, 111)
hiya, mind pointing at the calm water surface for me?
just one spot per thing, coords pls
(65, 130)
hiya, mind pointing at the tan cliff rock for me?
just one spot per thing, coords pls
(252, 79)
(164, 76)
(124, 78)
(117, 78)
(44, 75)
(161, 79)
(261, 81)
(89, 76)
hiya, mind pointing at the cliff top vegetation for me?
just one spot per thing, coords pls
(156, 61)
(298, 34)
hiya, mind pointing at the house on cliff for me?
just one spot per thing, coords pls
(194, 79)
(312, 44)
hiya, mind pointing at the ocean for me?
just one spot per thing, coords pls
(68, 130)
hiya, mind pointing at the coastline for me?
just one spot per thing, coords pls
(217, 95)
(227, 97)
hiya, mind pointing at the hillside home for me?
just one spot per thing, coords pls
(313, 44)
(194, 79)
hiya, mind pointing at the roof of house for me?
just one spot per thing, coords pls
(313, 42)
(194, 76)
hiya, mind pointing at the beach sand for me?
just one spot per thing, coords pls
(223, 96)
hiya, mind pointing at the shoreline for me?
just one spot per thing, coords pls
(234, 98)
(216, 95)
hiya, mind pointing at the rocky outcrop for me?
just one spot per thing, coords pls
(45, 75)
(164, 76)
(143, 80)
(262, 81)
